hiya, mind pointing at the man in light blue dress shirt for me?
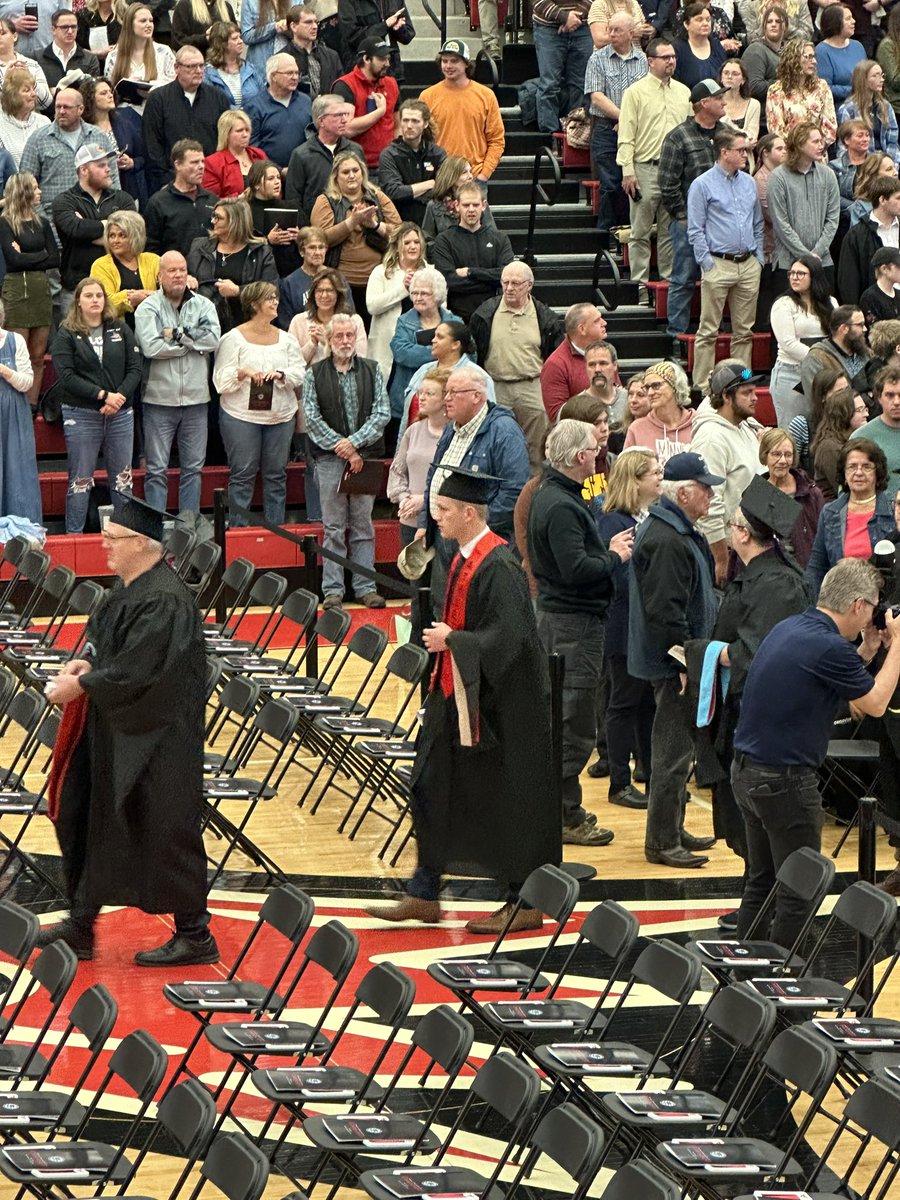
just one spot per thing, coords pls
(725, 229)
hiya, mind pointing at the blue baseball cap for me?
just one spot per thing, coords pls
(690, 468)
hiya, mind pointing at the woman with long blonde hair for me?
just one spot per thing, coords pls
(193, 19)
(798, 95)
(29, 251)
(136, 55)
(867, 103)
(387, 292)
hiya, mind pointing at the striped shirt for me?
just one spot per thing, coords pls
(454, 454)
(611, 73)
(327, 438)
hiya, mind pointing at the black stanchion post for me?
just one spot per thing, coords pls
(311, 583)
(219, 511)
(866, 867)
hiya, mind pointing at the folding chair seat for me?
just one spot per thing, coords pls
(863, 910)
(235, 706)
(739, 1020)
(18, 933)
(43, 662)
(267, 592)
(179, 545)
(200, 566)
(12, 554)
(57, 587)
(331, 626)
(610, 930)
(509, 1088)
(333, 948)
(554, 894)
(48, 1109)
(871, 1115)
(572, 1140)
(408, 664)
(805, 874)
(31, 570)
(805, 1066)
(299, 610)
(236, 581)
(387, 993)
(445, 1038)
(639, 1180)
(667, 969)
(52, 973)
(18, 800)
(287, 912)
(138, 1062)
(366, 646)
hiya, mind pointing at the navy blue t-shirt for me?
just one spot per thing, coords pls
(795, 685)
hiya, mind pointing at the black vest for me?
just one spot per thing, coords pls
(331, 402)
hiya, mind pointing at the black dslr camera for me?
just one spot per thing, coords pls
(887, 560)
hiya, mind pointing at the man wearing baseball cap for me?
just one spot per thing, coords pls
(80, 213)
(727, 436)
(467, 113)
(672, 601)
(374, 95)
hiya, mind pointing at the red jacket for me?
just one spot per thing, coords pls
(222, 174)
(564, 375)
(357, 89)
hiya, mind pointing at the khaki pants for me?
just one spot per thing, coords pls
(524, 400)
(738, 284)
(491, 35)
(643, 215)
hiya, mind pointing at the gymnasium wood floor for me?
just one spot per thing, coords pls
(343, 876)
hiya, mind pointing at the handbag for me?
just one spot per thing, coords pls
(368, 481)
(577, 128)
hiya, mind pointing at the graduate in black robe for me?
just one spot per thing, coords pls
(129, 775)
(481, 788)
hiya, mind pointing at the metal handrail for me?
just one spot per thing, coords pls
(429, 11)
(483, 56)
(538, 192)
(601, 257)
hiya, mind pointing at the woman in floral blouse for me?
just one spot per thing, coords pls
(798, 94)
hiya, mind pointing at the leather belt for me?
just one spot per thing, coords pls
(735, 258)
(648, 162)
(743, 760)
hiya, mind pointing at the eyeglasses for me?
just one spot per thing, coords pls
(663, 57)
(655, 387)
(289, 74)
(860, 469)
(420, 295)
(68, 28)
(797, 274)
(459, 392)
(738, 525)
(514, 284)
(782, 454)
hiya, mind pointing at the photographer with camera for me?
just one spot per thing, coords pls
(802, 673)
(885, 558)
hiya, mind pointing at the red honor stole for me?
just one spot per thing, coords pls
(460, 577)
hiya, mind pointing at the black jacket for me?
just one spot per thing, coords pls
(308, 171)
(83, 375)
(81, 60)
(551, 326)
(574, 570)
(201, 260)
(330, 66)
(175, 219)
(168, 117)
(362, 19)
(855, 270)
(400, 166)
(188, 31)
(37, 246)
(79, 222)
(485, 252)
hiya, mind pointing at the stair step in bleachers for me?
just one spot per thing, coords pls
(760, 355)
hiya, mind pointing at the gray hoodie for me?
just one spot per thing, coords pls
(728, 450)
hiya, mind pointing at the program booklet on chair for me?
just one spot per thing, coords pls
(24, 1108)
(716, 1154)
(485, 971)
(681, 1108)
(205, 993)
(743, 954)
(269, 1035)
(554, 1013)
(877, 1033)
(375, 1130)
(324, 1083)
(53, 1158)
(792, 991)
(421, 1181)
(593, 1057)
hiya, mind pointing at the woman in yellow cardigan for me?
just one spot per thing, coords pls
(128, 272)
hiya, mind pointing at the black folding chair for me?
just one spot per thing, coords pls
(201, 566)
(640, 1180)
(30, 571)
(298, 610)
(331, 626)
(572, 1140)
(871, 1115)
(56, 588)
(236, 581)
(286, 912)
(19, 930)
(235, 1166)
(178, 547)
(186, 1115)
(267, 592)
(12, 554)
(53, 973)
(43, 662)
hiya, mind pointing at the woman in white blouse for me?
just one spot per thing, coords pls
(18, 119)
(799, 319)
(136, 55)
(257, 372)
(387, 292)
(328, 295)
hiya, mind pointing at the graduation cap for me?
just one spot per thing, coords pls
(139, 517)
(471, 487)
(768, 511)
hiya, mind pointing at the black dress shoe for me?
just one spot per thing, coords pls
(728, 921)
(628, 797)
(689, 842)
(678, 857)
(180, 951)
(639, 774)
(76, 936)
(599, 769)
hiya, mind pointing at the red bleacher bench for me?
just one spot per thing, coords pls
(592, 194)
(760, 356)
(48, 439)
(765, 409)
(577, 159)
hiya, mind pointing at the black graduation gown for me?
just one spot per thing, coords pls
(770, 588)
(131, 802)
(487, 808)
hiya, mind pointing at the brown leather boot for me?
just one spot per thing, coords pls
(410, 908)
(526, 918)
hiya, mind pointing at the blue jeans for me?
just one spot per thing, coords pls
(162, 424)
(685, 273)
(613, 205)
(342, 516)
(562, 62)
(87, 432)
(257, 449)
